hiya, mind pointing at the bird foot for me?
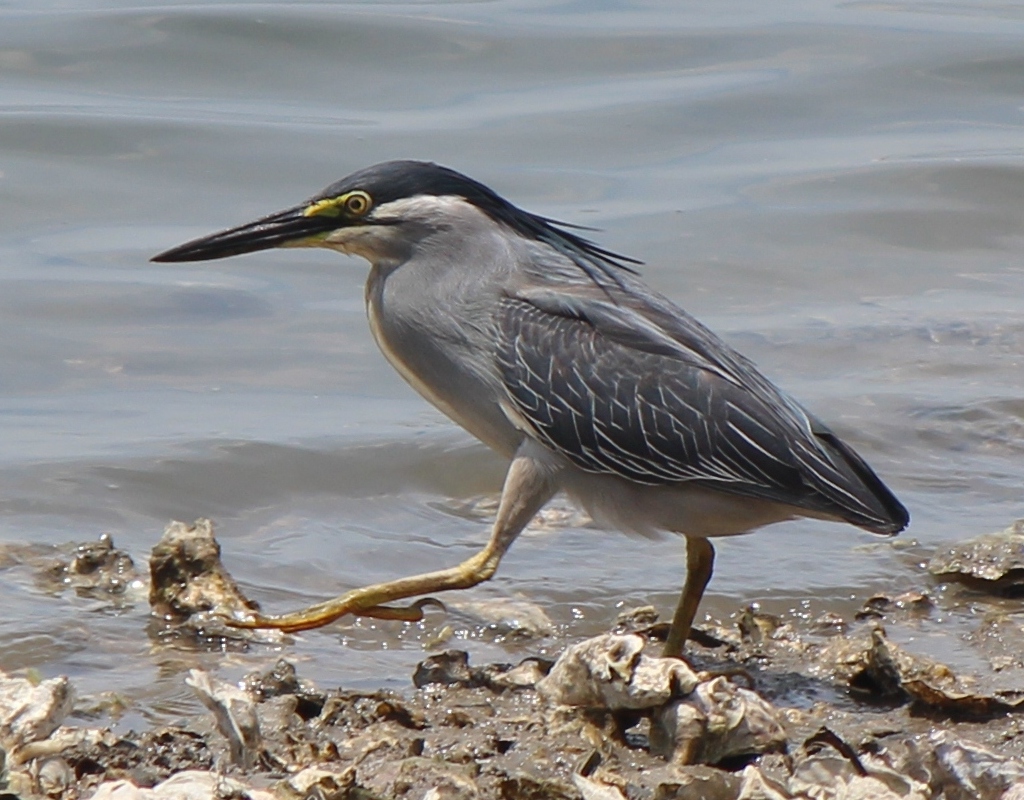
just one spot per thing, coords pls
(371, 601)
(324, 613)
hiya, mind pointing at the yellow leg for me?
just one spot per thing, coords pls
(700, 562)
(527, 488)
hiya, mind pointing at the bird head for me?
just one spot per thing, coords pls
(381, 212)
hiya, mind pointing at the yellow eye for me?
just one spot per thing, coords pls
(357, 203)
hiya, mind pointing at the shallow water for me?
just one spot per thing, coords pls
(837, 189)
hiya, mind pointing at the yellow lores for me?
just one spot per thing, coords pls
(353, 204)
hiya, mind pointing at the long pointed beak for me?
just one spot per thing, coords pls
(291, 228)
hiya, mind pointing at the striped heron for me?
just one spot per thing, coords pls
(553, 352)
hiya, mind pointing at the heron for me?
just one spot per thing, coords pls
(552, 351)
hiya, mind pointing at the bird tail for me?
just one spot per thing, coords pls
(856, 492)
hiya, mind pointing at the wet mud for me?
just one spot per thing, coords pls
(763, 707)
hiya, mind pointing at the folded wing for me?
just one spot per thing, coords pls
(633, 386)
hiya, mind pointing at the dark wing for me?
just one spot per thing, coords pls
(634, 386)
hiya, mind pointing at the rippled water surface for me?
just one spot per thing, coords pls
(838, 189)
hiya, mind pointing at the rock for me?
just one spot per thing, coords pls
(146, 758)
(856, 780)
(505, 618)
(96, 568)
(908, 604)
(122, 790)
(234, 712)
(64, 738)
(706, 783)
(532, 787)
(757, 626)
(959, 770)
(595, 790)
(755, 785)
(188, 577)
(415, 777)
(692, 721)
(452, 668)
(612, 672)
(191, 590)
(188, 785)
(524, 675)
(716, 722)
(282, 681)
(31, 711)
(92, 569)
(828, 623)
(54, 777)
(635, 620)
(993, 562)
(615, 721)
(871, 665)
(322, 784)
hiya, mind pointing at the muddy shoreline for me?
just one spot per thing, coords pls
(763, 707)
